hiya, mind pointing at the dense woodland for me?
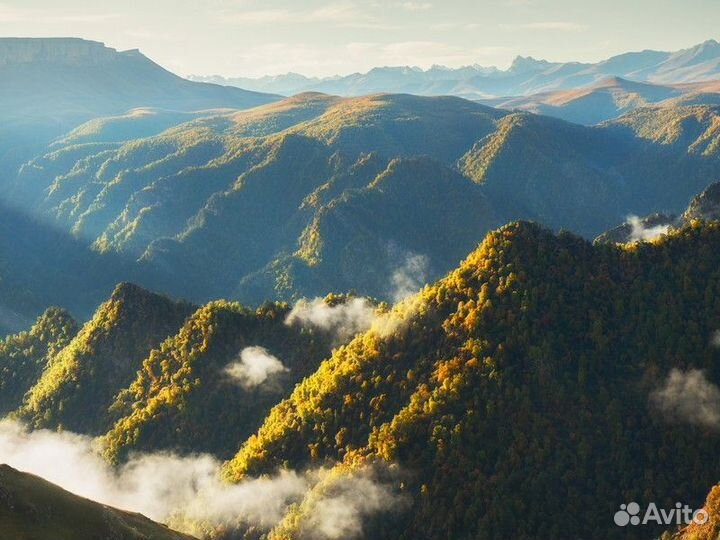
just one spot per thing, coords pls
(520, 386)
(517, 385)
(181, 383)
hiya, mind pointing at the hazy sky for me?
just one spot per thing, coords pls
(321, 37)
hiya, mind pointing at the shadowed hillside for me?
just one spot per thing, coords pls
(317, 193)
(30, 507)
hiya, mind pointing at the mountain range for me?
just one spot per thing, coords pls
(50, 85)
(525, 76)
(609, 99)
(525, 382)
(531, 381)
(386, 316)
(316, 193)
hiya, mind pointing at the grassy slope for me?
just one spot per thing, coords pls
(34, 509)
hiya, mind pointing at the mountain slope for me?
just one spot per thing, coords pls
(521, 384)
(171, 199)
(374, 230)
(596, 103)
(93, 80)
(42, 265)
(703, 207)
(24, 356)
(50, 85)
(701, 531)
(184, 397)
(290, 199)
(79, 382)
(31, 507)
(568, 176)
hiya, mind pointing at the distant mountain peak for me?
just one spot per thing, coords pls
(131, 294)
(70, 51)
(702, 52)
(706, 47)
(527, 63)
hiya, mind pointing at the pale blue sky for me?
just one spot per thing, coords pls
(321, 37)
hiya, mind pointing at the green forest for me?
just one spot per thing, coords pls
(527, 370)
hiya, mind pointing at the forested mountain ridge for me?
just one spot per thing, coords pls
(181, 192)
(24, 356)
(79, 382)
(521, 384)
(542, 351)
(573, 177)
(376, 316)
(151, 373)
(254, 191)
(704, 531)
(183, 397)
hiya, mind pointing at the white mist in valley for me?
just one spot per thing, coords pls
(409, 277)
(185, 491)
(343, 320)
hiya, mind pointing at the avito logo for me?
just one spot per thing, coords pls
(629, 514)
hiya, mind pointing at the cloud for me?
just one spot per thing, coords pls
(340, 508)
(547, 26)
(416, 6)
(85, 18)
(261, 16)
(643, 234)
(410, 277)
(45, 16)
(343, 320)
(346, 14)
(356, 315)
(337, 12)
(442, 27)
(187, 492)
(254, 367)
(159, 485)
(148, 35)
(688, 397)
(14, 13)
